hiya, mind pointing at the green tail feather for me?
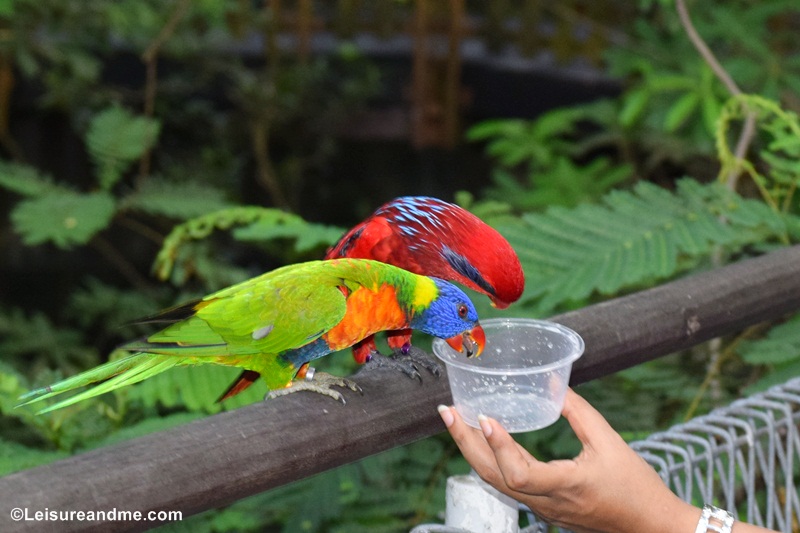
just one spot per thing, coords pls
(114, 374)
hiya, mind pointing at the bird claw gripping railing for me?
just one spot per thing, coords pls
(744, 457)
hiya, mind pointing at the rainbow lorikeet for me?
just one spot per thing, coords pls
(430, 237)
(275, 323)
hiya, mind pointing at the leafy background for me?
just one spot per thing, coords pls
(184, 191)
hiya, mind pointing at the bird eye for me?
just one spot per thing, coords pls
(462, 311)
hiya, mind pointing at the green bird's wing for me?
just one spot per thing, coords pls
(278, 311)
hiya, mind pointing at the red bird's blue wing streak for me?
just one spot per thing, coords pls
(462, 265)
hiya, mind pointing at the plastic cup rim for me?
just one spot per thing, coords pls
(539, 324)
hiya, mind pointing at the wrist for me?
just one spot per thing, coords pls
(675, 515)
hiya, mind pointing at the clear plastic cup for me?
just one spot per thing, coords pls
(521, 377)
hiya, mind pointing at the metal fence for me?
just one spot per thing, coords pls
(744, 457)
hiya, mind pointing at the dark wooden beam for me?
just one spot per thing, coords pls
(217, 460)
(626, 331)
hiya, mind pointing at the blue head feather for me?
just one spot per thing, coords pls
(449, 314)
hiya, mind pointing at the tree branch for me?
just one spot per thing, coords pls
(150, 59)
(749, 127)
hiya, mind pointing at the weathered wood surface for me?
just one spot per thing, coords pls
(217, 460)
(626, 331)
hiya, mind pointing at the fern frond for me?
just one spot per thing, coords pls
(633, 237)
(64, 218)
(196, 388)
(307, 235)
(777, 353)
(781, 345)
(261, 223)
(25, 180)
(175, 200)
(115, 139)
(203, 226)
(98, 303)
(23, 336)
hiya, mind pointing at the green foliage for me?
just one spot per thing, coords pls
(11, 386)
(537, 160)
(63, 218)
(116, 138)
(179, 200)
(98, 305)
(690, 95)
(781, 345)
(21, 427)
(195, 389)
(24, 335)
(777, 353)
(14, 457)
(633, 238)
(674, 89)
(53, 213)
(25, 180)
(306, 235)
(780, 151)
(260, 224)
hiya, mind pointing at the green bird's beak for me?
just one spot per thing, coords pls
(470, 342)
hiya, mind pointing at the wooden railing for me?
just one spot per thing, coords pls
(217, 460)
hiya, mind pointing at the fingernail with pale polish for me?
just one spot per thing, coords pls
(486, 427)
(446, 414)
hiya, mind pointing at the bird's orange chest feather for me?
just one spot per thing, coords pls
(368, 311)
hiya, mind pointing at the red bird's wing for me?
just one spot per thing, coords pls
(434, 238)
(376, 238)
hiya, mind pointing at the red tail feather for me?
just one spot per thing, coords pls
(245, 379)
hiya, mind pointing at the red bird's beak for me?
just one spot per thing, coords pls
(471, 342)
(499, 304)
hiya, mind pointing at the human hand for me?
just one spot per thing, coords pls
(606, 488)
